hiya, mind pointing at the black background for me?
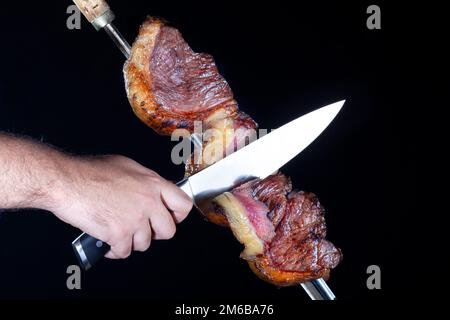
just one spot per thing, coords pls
(282, 60)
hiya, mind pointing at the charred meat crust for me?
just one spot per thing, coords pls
(168, 85)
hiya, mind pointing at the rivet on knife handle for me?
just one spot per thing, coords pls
(89, 250)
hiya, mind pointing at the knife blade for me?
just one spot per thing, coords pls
(259, 159)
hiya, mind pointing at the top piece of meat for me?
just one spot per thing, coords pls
(169, 86)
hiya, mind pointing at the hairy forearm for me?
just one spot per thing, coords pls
(112, 198)
(29, 173)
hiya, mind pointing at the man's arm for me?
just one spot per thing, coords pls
(28, 173)
(112, 198)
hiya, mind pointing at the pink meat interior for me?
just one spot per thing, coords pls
(256, 212)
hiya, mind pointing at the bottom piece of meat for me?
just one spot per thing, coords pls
(283, 231)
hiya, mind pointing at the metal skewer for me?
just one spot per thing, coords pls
(98, 13)
(118, 39)
(318, 290)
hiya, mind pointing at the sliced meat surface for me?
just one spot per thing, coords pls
(170, 86)
(286, 250)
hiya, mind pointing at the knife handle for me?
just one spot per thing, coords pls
(89, 250)
(97, 12)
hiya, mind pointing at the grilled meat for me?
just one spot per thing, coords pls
(170, 87)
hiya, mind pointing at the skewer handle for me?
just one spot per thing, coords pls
(97, 12)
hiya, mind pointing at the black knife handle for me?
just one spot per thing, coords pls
(89, 250)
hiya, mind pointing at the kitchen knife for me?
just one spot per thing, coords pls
(256, 160)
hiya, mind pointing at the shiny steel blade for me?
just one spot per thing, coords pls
(262, 157)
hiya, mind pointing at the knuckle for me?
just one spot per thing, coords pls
(154, 180)
(119, 254)
(119, 157)
(148, 244)
(139, 247)
(122, 252)
(124, 161)
(153, 198)
(189, 206)
(123, 255)
(141, 218)
(113, 237)
(153, 174)
(127, 254)
(144, 245)
(106, 237)
(154, 177)
(114, 157)
(182, 215)
(185, 210)
(170, 232)
(121, 231)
